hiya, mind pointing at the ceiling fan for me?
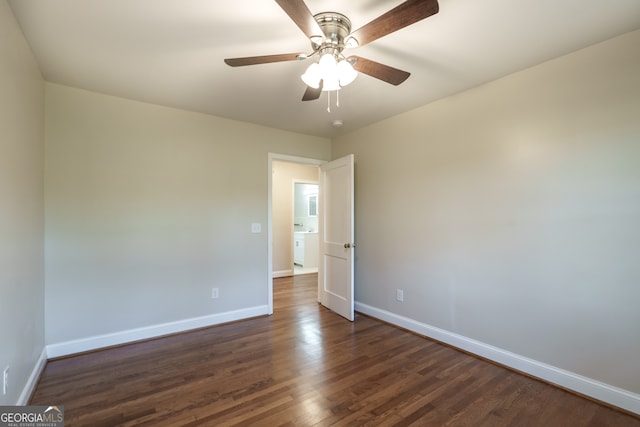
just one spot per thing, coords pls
(330, 33)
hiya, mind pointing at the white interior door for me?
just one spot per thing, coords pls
(335, 233)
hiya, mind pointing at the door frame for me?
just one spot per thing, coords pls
(283, 158)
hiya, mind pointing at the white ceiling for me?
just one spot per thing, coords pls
(170, 52)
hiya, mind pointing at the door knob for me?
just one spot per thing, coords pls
(349, 245)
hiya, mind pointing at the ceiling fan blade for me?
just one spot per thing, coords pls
(265, 59)
(379, 71)
(302, 16)
(312, 94)
(407, 13)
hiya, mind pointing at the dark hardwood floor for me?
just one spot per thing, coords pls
(304, 366)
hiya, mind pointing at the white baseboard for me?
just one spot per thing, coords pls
(32, 381)
(131, 335)
(282, 273)
(595, 389)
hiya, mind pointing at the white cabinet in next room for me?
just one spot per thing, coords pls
(305, 249)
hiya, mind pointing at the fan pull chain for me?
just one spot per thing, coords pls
(329, 100)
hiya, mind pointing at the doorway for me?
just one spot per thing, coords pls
(335, 207)
(284, 172)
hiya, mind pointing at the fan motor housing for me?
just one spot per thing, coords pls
(336, 28)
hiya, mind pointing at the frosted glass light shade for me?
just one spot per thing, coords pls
(327, 64)
(312, 76)
(330, 83)
(346, 73)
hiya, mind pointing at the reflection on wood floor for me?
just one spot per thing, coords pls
(297, 269)
(304, 366)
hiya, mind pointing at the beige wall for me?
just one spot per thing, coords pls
(284, 175)
(510, 213)
(21, 209)
(148, 208)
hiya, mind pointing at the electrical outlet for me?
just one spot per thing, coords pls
(400, 295)
(215, 293)
(5, 380)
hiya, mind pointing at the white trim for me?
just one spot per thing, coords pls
(283, 158)
(282, 273)
(92, 343)
(32, 381)
(589, 387)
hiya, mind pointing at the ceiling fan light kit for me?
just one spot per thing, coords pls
(334, 74)
(330, 33)
(332, 69)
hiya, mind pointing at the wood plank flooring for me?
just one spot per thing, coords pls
(304, 366)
